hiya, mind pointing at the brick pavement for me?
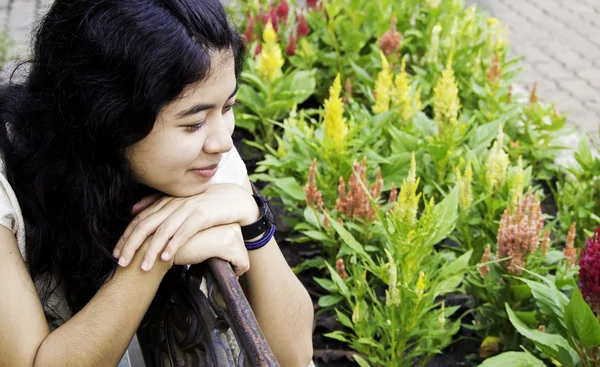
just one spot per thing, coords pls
(558, 40)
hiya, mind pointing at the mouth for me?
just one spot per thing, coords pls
(206, 172)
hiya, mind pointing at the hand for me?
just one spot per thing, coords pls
(173, 221)
(225, 242)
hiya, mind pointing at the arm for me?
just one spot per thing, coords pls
(98, 335)
(280, 303)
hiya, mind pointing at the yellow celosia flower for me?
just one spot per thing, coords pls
(496, 35)
(465, 187)
(496, 164)
(270, 60)
(518, 182)
(356, 314)
(405, 210)
(335, 124)
(446, 103)
(432, 53)
(420, 286)
(383, 86)
(401, 94)
(392, 295)
(432, 4)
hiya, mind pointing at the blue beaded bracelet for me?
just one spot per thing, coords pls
(255, 245)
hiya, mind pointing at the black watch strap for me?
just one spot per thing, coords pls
(264, 223)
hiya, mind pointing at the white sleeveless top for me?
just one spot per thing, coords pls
(231, 170)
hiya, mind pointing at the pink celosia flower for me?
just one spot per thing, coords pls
(589, 271)
(519, 233)
(282, 10)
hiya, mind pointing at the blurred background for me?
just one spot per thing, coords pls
(558, 40)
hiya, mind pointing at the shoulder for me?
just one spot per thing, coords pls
(10, 210)
(232, 169)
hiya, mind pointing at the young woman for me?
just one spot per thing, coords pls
(126, 100)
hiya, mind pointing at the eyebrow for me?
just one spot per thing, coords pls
(201, 107)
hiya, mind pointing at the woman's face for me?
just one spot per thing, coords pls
(181, 152)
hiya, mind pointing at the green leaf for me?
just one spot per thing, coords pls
(402, 142)
(339, 282)
(326, 284)
(291, 187)
(513, 359)
(344, 319)
(581, 321)
(361, 361)
(347, 237)
(337, 335)
(316, 235)
(457, 266)
(330, 300)
(445, 216)
(554, 345)
(448, 284)
(550, 300)
(361, 74)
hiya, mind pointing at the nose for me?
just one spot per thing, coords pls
(219, 138)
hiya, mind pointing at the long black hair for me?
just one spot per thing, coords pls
(101, 70)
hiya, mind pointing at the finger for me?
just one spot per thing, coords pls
(163, 234)
(145, 203)
(140, 232)
(194, 223)
(155, 207)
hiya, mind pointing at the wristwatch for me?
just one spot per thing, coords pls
(266, 220)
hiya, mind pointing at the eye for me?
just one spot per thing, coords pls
(195, 127)
(230, 107)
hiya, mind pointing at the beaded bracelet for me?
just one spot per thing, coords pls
(255, 245)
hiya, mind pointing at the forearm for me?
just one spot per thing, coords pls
(99, 334)
(281, 305)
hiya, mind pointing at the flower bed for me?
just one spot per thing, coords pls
(423, 204)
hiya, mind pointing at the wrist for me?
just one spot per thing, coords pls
(251, 211)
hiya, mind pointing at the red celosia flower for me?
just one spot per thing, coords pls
(356, 202)
(589, 271)
(249, 31)
(258, 49)
(302, 30)
(273, 17)
(313, 195)
(390, 41)
(282, 10)
(341, 268)
(312, 4)
(290, 50)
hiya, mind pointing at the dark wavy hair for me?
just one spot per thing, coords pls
(100, 72)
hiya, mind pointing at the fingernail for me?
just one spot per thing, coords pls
(122, 261)
(145, 265)
(116, 253)
(165, 256)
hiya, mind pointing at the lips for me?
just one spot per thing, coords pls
(206, 172)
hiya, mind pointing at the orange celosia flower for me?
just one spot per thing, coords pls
(482, 267)
(533, 97)
(519, 233)
(356, 203)
(494, 73)
(393, 194)
(545, 245)
(570, 251)
(341, 268)
(391, 40)
(313, 195)
(509, 95)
